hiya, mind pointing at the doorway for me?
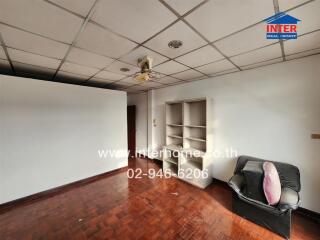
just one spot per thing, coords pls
(131, 126)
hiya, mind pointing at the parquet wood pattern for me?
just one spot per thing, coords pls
(116, 207)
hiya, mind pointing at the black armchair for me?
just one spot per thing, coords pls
(276, 218)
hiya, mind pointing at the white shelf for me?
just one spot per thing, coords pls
(195, 139)
(192, 165)
(186, 134)
(174, 125)
(174, 147)
(175, 136)
(172, 160)
(194, 151)
(195, 126)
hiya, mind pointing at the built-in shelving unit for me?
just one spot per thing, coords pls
(186, 140)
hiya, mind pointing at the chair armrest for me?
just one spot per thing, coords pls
(236, 182)
(289, 199)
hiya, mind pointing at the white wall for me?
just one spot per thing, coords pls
(141, 102)
(268, 112)
(51, 134)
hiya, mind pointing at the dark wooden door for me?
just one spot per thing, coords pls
(131, 123)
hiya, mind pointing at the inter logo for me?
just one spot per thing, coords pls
(281, 26)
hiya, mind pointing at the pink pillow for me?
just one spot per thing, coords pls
(271, 183)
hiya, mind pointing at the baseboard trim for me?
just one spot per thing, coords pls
(309, 214)
(4, 207)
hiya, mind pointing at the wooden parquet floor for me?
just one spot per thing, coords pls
(116, 207)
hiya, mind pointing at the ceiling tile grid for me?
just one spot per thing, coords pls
(38, 34)
(137, 20)
(32, 43)
(244, 41)
(200, 57)
(216, 67)
(101, 41)
(116, 67)
(40, 17)
(170, 67)
(78, 69)
(33, 59)
(81, 7)
(109, 75)
(217, 19)
(101, 80)
(188, 75)
(183, 6)
(89, 59)
(309, 16)
(140, 52)
(179, 31)
(303, 43)
(2, 53)
(169, 80)
(261, 54)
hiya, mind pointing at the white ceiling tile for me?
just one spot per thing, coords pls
(183, 6)
(2, 53)
(100, 80)
(4, 63)
(303, 43)
(32, 70)
(116, 66)
(109, 75)
(278, 60)
(137, 20)
(150, 84)
(179, 31)
(219, 18)
(129, 80)
(309, 16)
(303, 54)
(170, 67)
(244, 41)
(140, 52)
(120, 84)
(168, 80)
(187, 75)
(288, 4)
(32, 43)
(197, 79)
(78, 69)
(40, 17)
(127, 83)
(200, 57)
(81, 7)
(101, 41)
(62, 75)
(225, 72)
(216, 67)
(33, 59)
(262, 54)
(88, 59)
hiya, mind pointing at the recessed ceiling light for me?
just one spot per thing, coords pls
(124, 69)
(175, 44)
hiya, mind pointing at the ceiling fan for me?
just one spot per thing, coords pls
(146, 73)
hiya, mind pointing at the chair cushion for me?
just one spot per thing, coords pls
(289, 199)
(253, 175)
(271, 183)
